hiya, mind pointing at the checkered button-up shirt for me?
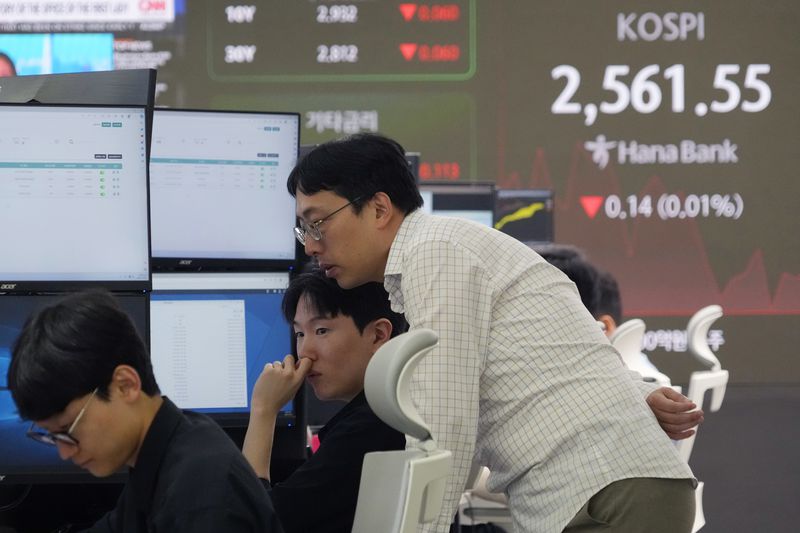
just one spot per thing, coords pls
(523, 380)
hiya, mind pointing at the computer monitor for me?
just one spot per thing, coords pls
(73, 198)
(23, 460)
(218, 189)
(472, 201)
(211, 335)
(110, 88)
(305, 149)
(413, 159)
(526, 214)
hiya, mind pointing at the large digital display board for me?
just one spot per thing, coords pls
(665, 130)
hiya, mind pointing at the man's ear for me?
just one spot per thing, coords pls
(384, 209)
(126, 382)
(382, 331)
(609, 323)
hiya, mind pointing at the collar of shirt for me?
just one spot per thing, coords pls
(392, 274)
(352, 405)
(143, 477)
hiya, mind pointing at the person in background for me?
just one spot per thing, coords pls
(7, 67)
(572, 261)
(522, 380)
(609, 302)
(337, 333)
(600, 294)
(81, 372)
(609, 313)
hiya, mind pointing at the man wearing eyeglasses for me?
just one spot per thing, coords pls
(522, 380)
(81, 372)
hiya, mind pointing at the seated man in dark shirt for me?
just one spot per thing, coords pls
(80, 370)
(337, 333)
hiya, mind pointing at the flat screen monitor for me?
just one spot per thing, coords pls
(413, 159)
(211, 335)
(526, 215)
(218, 189)
(115, 87)
(305, 149)
(23, 460)
(73, 197)
(472, 201)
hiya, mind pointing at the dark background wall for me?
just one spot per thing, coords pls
(746, 453)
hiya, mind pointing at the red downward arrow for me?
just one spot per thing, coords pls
(408, 11)
(591, 204)
(408, 50)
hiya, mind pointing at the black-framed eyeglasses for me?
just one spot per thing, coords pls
(64, 437)
(303, 229)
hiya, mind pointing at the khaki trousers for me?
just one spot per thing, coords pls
(638, 505)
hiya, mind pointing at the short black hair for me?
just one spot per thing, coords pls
(573, 262)
(609, 301)
(357, 167)
(69, 348)
(559, 252)
(364, 304)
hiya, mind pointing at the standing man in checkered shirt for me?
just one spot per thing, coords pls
(522, 380)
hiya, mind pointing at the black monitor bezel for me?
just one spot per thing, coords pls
(104, 88)
(479, 186)
(208, 264)
(485, 188)
(304, 150)
(414, 159)
(39, 286)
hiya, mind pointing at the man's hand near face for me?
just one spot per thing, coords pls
(277, 384)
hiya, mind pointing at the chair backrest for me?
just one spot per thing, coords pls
(627, 339)
(400, 489)
(697, 333)
(715, 379)
(388, 380)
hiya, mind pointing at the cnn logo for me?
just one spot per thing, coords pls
(152, 5)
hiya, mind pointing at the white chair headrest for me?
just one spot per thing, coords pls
(627, 339)
(697, 333)
(388, 379)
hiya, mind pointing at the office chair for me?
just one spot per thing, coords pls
(715, 379)
(627, 339)
(479, 509)
(400, 489)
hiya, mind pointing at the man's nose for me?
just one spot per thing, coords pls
(301, 357)
(65, 451)
(307, 350)
(312, 246)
